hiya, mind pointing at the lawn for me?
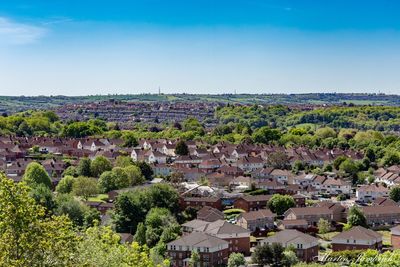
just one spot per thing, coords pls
(99, 197)
(385, 237)
(328, 236)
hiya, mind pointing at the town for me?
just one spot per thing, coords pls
(262, 200)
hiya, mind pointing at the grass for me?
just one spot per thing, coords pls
(328, 236)
(385, 237)
(99, 197)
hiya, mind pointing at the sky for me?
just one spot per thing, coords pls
(85, 47)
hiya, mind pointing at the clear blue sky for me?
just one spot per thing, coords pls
(204, 46)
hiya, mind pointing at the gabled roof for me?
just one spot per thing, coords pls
(358, 233)
(198, 239)
(290, 236)
(258, 214)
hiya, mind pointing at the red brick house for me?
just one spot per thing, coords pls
(310, 214)
(238, 237)
(199, 202)
(357, 238)
(306, 246)
(213, 251)
(249, 203)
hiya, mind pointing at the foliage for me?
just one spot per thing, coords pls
(131, 207)
(35, 174)
(236, 260)
(356, 217)
(84, 187)
(99, 165)
(280, 203)
(84, 167)
(64, 186)
(181, 148)
(323, 226)
(394, 193)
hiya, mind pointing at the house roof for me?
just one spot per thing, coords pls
(289, 236)
(198, 239)
(358, 233)
(258, 214)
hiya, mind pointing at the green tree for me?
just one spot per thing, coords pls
(84, 167)
(130, 139)
(140, 235)
(236, 260)
(325, 132)
(145, 168)
(278, 160)
(85, 187)
(181, 148)
(265, 135)
(43, 196)
(99, 165)
(323, 226)
(280, 203)
(123, 161)
(27, 237)
(194, 259)
(65, 185)
(35, 174)
(135, 175)
(355, 217)
(394, 193)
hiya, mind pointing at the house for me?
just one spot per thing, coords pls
(210, 214)
(249, 164)
(339, 213)
(335, 186)
(310, 214)
(212, 250)
(357, 238)
(395, 237)
(272, 186)
(238, 237)
(306, 246)
(384, 201)
(199, 202)
(258, 219)
(367, 193)
(300, 224)
(381, 215)
(249, 203)
(241, 183)
(281, 176)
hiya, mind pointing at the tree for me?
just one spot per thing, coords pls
(323, 226)
(265, 135)
(289, 258)
(194, 258)
(35, 174)
(70, 171)
(85, 187)
(135, 175)
(325, 132)
(278, 160)
(107, 181)
(181, 148)
(394, 193)
(84, 167)
(27, 237)
(157, 220)
(338, 161)
(131, 207)
(280, 203)
(391, 158)
(43, 196)
(236, 260)
(140, 235)
(123, 161)
(355, 217)
(65, 185)
(268, 254)
(130, 139)
(99, 165)
(145, 168)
